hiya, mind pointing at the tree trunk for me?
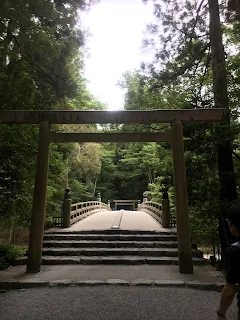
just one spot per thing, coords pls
(11, 232)
(227, 180)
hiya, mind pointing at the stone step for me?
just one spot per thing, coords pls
(110, 237)
(113, 231)
(109, 244)
(51, 260)
(114, 260)
(148, 252)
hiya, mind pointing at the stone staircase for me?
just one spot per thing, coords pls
(113, 247)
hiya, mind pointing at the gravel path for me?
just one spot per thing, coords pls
(111, 303)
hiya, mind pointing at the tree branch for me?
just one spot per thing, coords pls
(204, 74)
(196, 20)
(190, 64)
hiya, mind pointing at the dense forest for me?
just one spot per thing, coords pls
(42, 53)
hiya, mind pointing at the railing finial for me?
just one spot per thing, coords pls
(67, 194)
(99, 197)
(145, 199)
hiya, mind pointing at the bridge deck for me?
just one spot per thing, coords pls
(125, 220)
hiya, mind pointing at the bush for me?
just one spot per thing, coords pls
(8, 254)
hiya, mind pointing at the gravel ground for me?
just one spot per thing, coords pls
(111, 303)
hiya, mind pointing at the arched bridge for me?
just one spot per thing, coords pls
(93, 233)
(96, 215)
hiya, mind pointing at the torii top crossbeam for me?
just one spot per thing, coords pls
(117, 117)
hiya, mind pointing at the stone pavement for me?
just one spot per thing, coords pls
(111, 303)
(204, 277)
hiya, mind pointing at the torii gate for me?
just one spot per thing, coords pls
(131, 203)
(175, 117)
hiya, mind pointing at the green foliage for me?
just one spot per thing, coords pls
(40, 42)
(17, 159)
(180, 76)
(8, 254)
(155, 160)
(106, 178)
(41, 58)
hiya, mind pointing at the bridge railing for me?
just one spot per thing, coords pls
(84, 209)
(159, 211)
(56, 222)
(73, 213)
(173, 219)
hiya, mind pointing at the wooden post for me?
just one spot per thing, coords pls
(99, 200)
(39, 201)
(99, 197)
(67, 209)
(165, 213)
(145, 198)
(181, 199)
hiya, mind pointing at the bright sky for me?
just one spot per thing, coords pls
(117, 28)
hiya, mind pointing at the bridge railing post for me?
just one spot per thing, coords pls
(145, 198)
(99, 200)
(67, 202)
(165, 213)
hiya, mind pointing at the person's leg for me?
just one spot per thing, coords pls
(238, 304)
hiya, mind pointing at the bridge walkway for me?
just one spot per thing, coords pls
(123, 220)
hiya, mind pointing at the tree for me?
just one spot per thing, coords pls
(41, 57)
(191, 55)
(227, 180)
(43, 35)
(105, 181)
(233, 10)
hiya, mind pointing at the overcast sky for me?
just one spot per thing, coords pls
(117, 28)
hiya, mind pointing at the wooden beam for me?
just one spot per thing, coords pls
(101, 117)
(111, 137)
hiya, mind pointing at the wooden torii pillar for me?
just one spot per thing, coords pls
(181, 199)
(39, 201)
